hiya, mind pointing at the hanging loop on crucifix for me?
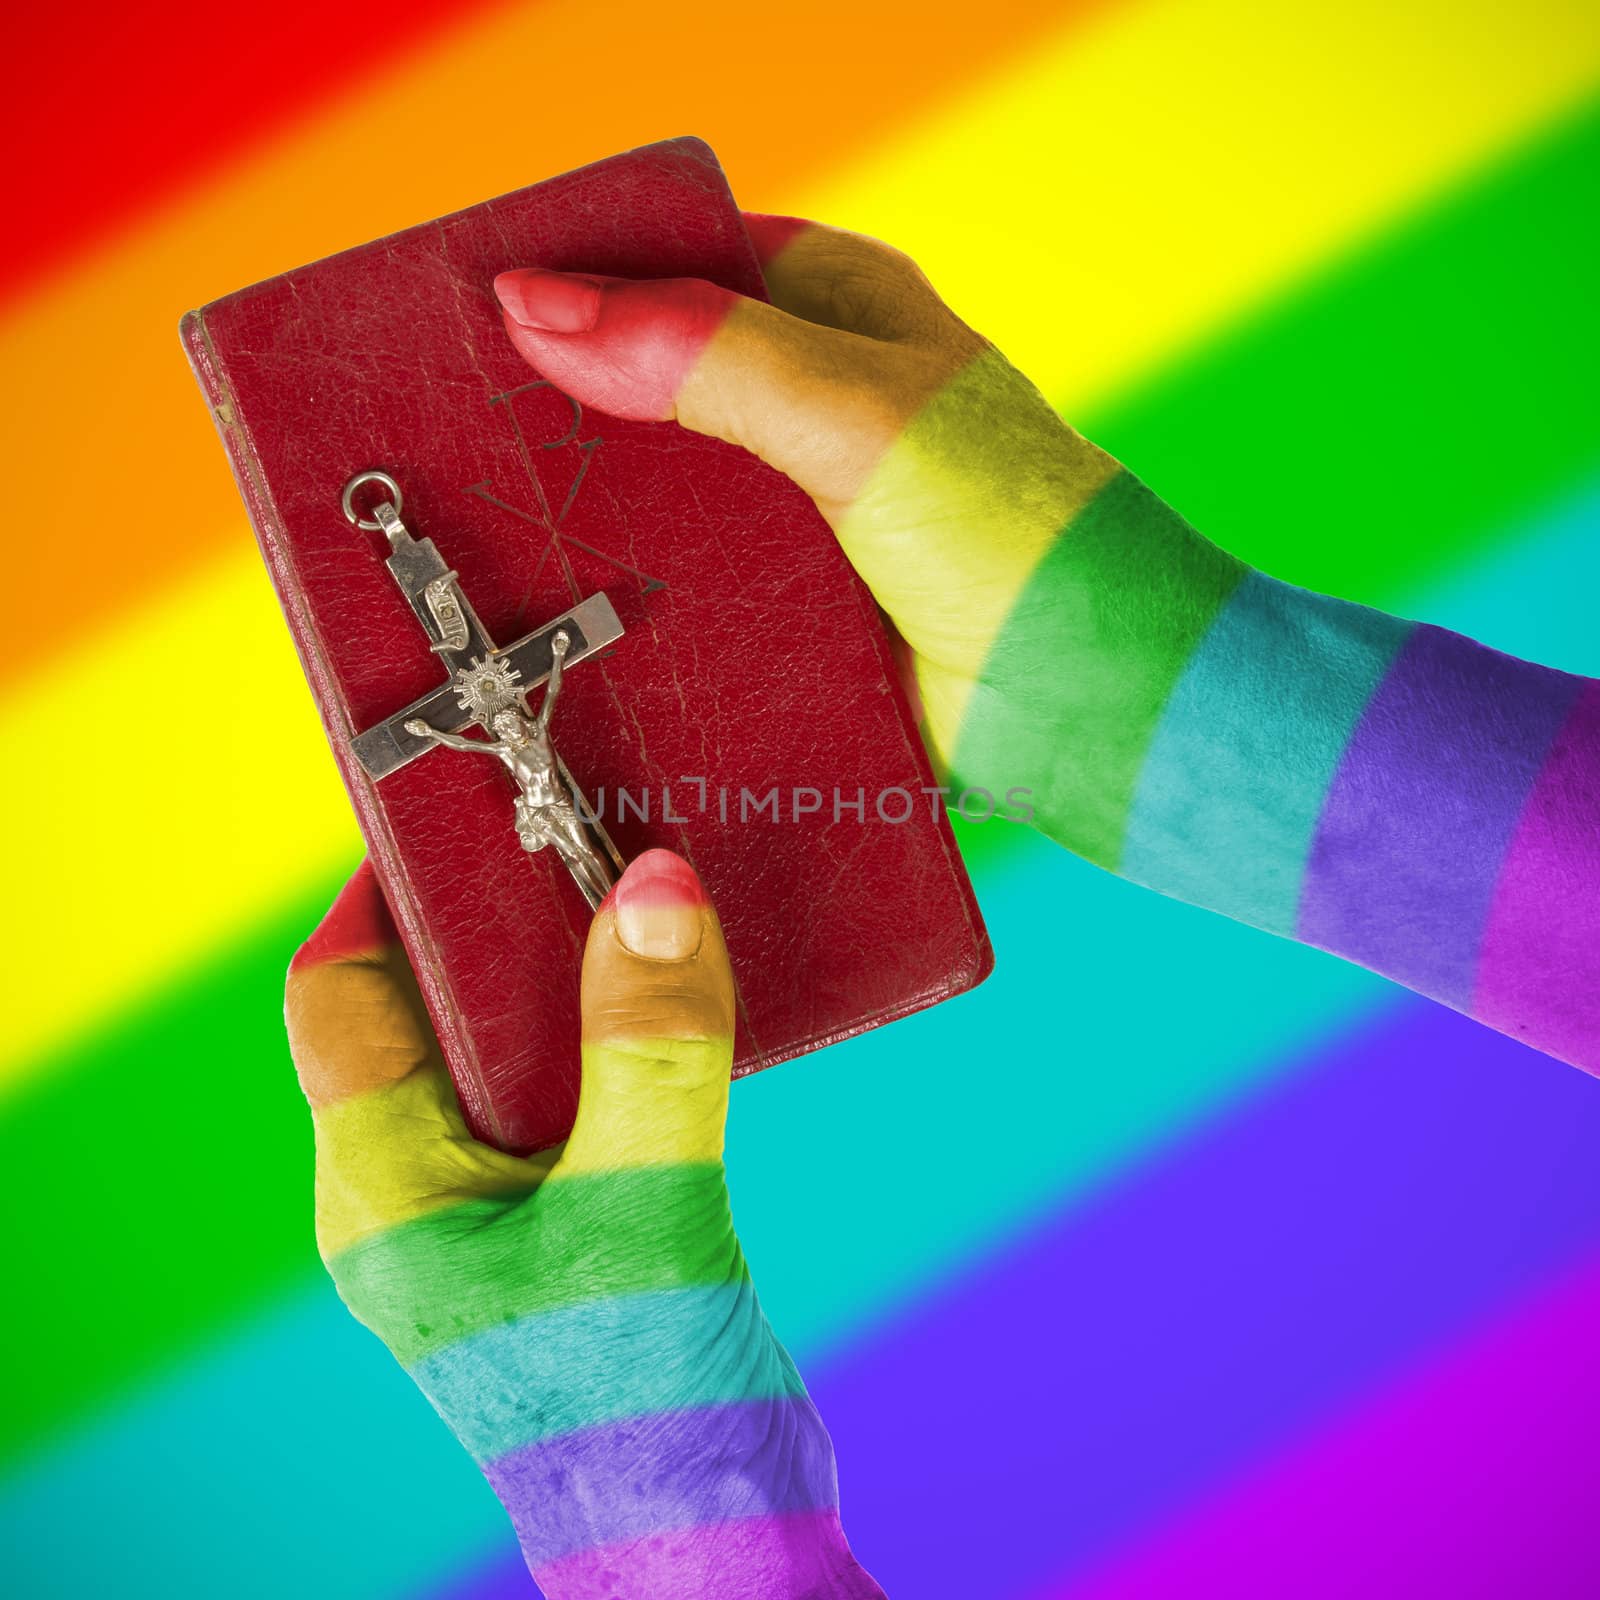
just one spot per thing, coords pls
(488, 688)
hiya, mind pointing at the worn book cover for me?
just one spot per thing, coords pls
(749, 716)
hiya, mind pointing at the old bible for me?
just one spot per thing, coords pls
(726, 691)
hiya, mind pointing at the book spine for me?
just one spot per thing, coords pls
(245, 464)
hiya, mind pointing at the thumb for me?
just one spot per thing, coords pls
(821, 395)
(658, 1009)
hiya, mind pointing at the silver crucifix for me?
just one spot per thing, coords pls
(489, 687)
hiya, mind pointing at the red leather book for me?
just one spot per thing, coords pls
(752, 659)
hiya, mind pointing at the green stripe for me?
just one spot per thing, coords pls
(1075, 682)
(453, 1273)
(125, 1261)
(161, 1175)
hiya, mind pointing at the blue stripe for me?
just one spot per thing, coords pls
(626, 1356)
(1233, 782)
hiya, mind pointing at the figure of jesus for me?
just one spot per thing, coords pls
(546, 814)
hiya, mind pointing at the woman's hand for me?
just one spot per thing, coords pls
(584, 1320)
(1386, 790)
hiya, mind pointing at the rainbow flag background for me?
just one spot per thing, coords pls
(1262, 1278)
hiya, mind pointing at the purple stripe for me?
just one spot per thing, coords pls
(1189, 1321)
(1474, 1480)
(1539, 977)
(671, 1469)
(1421, 811)
(761, 1558)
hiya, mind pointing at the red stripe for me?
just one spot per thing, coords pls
(770, 234)
(357, 923)
(655, 879)
(111, 110)
(642, 343)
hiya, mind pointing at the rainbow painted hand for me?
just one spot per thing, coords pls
(584, 1321)
(1386, 790)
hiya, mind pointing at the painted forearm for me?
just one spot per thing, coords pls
(628, 1403)
(1386, 790)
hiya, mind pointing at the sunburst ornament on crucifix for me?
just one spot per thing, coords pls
(486, 686)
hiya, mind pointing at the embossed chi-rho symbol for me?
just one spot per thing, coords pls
(541, 513)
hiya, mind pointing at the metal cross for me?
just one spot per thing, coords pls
(484, 678)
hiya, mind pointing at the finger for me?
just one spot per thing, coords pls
(819, 402)
(658, 1012)
(391, 1141)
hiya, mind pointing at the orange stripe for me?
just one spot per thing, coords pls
(117, 488)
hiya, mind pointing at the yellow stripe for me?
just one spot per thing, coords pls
(1116, 200)
(653, 1103)
(947, 545)
(171, 786)
(401, 1151)
(1172, 163)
